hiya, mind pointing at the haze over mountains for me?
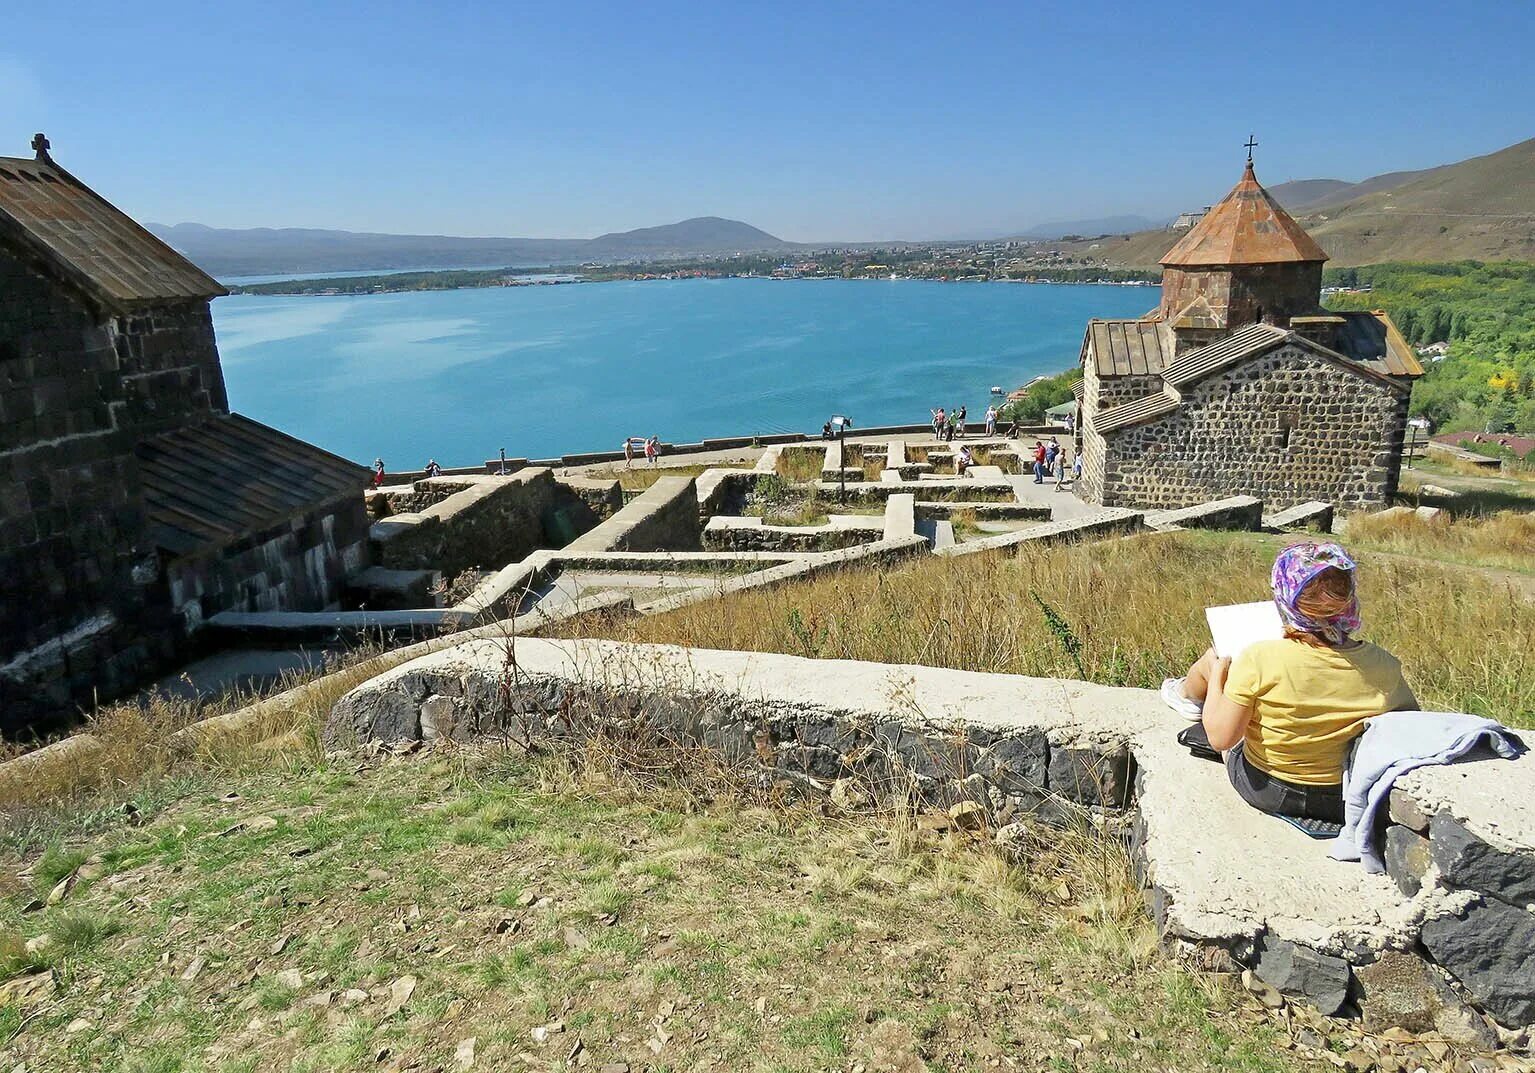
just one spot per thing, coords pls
(1482, 208)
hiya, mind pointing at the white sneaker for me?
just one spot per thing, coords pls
(1172, 696)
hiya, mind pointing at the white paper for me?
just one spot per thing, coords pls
(1236, 626)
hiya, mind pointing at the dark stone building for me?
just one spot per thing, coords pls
(1239, 383)
(133, 504)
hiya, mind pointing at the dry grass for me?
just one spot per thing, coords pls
(1135, 607)
(642, 475)
(1505, 540)
(799, 464)
(264, 922)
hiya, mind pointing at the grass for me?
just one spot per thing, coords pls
(1136, 607)
(800, 464)
(1505, 540)
(664, 931)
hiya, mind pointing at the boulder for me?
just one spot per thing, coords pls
(1490, 948)
(1300, 972)
(1466, 861)
(1091, 776)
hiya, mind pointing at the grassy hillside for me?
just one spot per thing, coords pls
(1481, 209)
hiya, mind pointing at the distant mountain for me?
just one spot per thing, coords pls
(1478, 209)
(1104, 225)
(274, 251)
(702, 234)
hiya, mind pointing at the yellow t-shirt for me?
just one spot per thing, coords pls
(1310, 702)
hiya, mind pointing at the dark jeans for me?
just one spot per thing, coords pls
(1269, 794)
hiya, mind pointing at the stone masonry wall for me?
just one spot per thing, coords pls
(301, 565)
(1286, 427)
(168, 364)
(493, 522)
(75, 574)
(1244, 295)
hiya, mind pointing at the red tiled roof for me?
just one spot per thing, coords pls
(1248, 227)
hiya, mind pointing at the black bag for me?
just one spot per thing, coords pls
(1195, 740)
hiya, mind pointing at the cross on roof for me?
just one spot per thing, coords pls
(41, 144)
(1250, 145)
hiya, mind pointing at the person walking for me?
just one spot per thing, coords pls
(960, 423)
(1076, 469)
(1051, 450)
(953, 424)
(991, 420)
(432, 468)
(940, 422)
(652, 449)
(628, 451)
(378, 473)
(1060, 469)
(1039, 462)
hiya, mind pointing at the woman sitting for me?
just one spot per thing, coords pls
(1285, 711)
(963, 461)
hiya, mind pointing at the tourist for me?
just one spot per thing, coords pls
(628, 451)
(1060, 469)
(378, 473)
(991, 420)
(826, 431)
(1052, 449)
(953, 424)
(653, 449)
(959, 421)
(432, 468)
(963, 460)
(1286, 711)
(940, 422)
(1076, 469)
(1039, 462)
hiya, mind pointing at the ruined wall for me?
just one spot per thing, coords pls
(492, 522)
(301, 564)
(1286, 427)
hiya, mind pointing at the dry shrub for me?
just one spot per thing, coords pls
(1133, 609)
(1505, 539)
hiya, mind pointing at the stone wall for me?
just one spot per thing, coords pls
(492, 522)
(301, 564)
(1286, 427)
(75, 570)
(664, 517)
(168, 366)
(1243, 295)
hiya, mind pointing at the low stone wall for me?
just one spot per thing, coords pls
(752, 534)
(1244, 513)
(493, 521)
(664, 517)
(1105, 522)
(1244, 888)
(1314, 515)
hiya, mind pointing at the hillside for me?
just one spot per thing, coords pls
(272, 251)
(1479, 209)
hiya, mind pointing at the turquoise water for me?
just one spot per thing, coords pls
(541, 371)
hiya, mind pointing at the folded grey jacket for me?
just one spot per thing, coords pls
(1392, 745)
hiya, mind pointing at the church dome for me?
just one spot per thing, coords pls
(1248, 227)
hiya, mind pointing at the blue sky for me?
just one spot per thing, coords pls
(814, 121)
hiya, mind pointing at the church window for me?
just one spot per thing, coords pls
(1287, 426)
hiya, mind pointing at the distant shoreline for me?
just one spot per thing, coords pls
(359, 286)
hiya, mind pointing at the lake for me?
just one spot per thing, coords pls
(542, 371)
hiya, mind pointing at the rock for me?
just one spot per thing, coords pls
(1437, 491)
(850, 795)
(79, 1024)
(193, 968)
(62, 888)
(1405, 811)
(399, 994)
(1399, 991)
(1017, 764)
(968, 815)
(1466, 861)
(353, 995)
(541, 1033)
(38, 944)
(1300, 972)
(27, 989)
(463, 1054)
(1091, 776)
(1407, 858)
(1012, 839)
(1262, 991)
(292, 979)
(438, 718)
(1428, 514)
(1490, 948)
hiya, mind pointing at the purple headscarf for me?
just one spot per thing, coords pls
(1295, 567)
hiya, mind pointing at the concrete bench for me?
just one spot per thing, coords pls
(1236, 512)
(1315, 515)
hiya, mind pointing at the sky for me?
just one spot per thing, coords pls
(816, 122)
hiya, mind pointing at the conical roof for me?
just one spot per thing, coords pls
(1248, 227)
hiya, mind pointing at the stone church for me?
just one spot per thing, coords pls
(1239, 383)
(133, 503)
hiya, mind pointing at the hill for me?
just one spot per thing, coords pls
(274, 251)
(1479, 209)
